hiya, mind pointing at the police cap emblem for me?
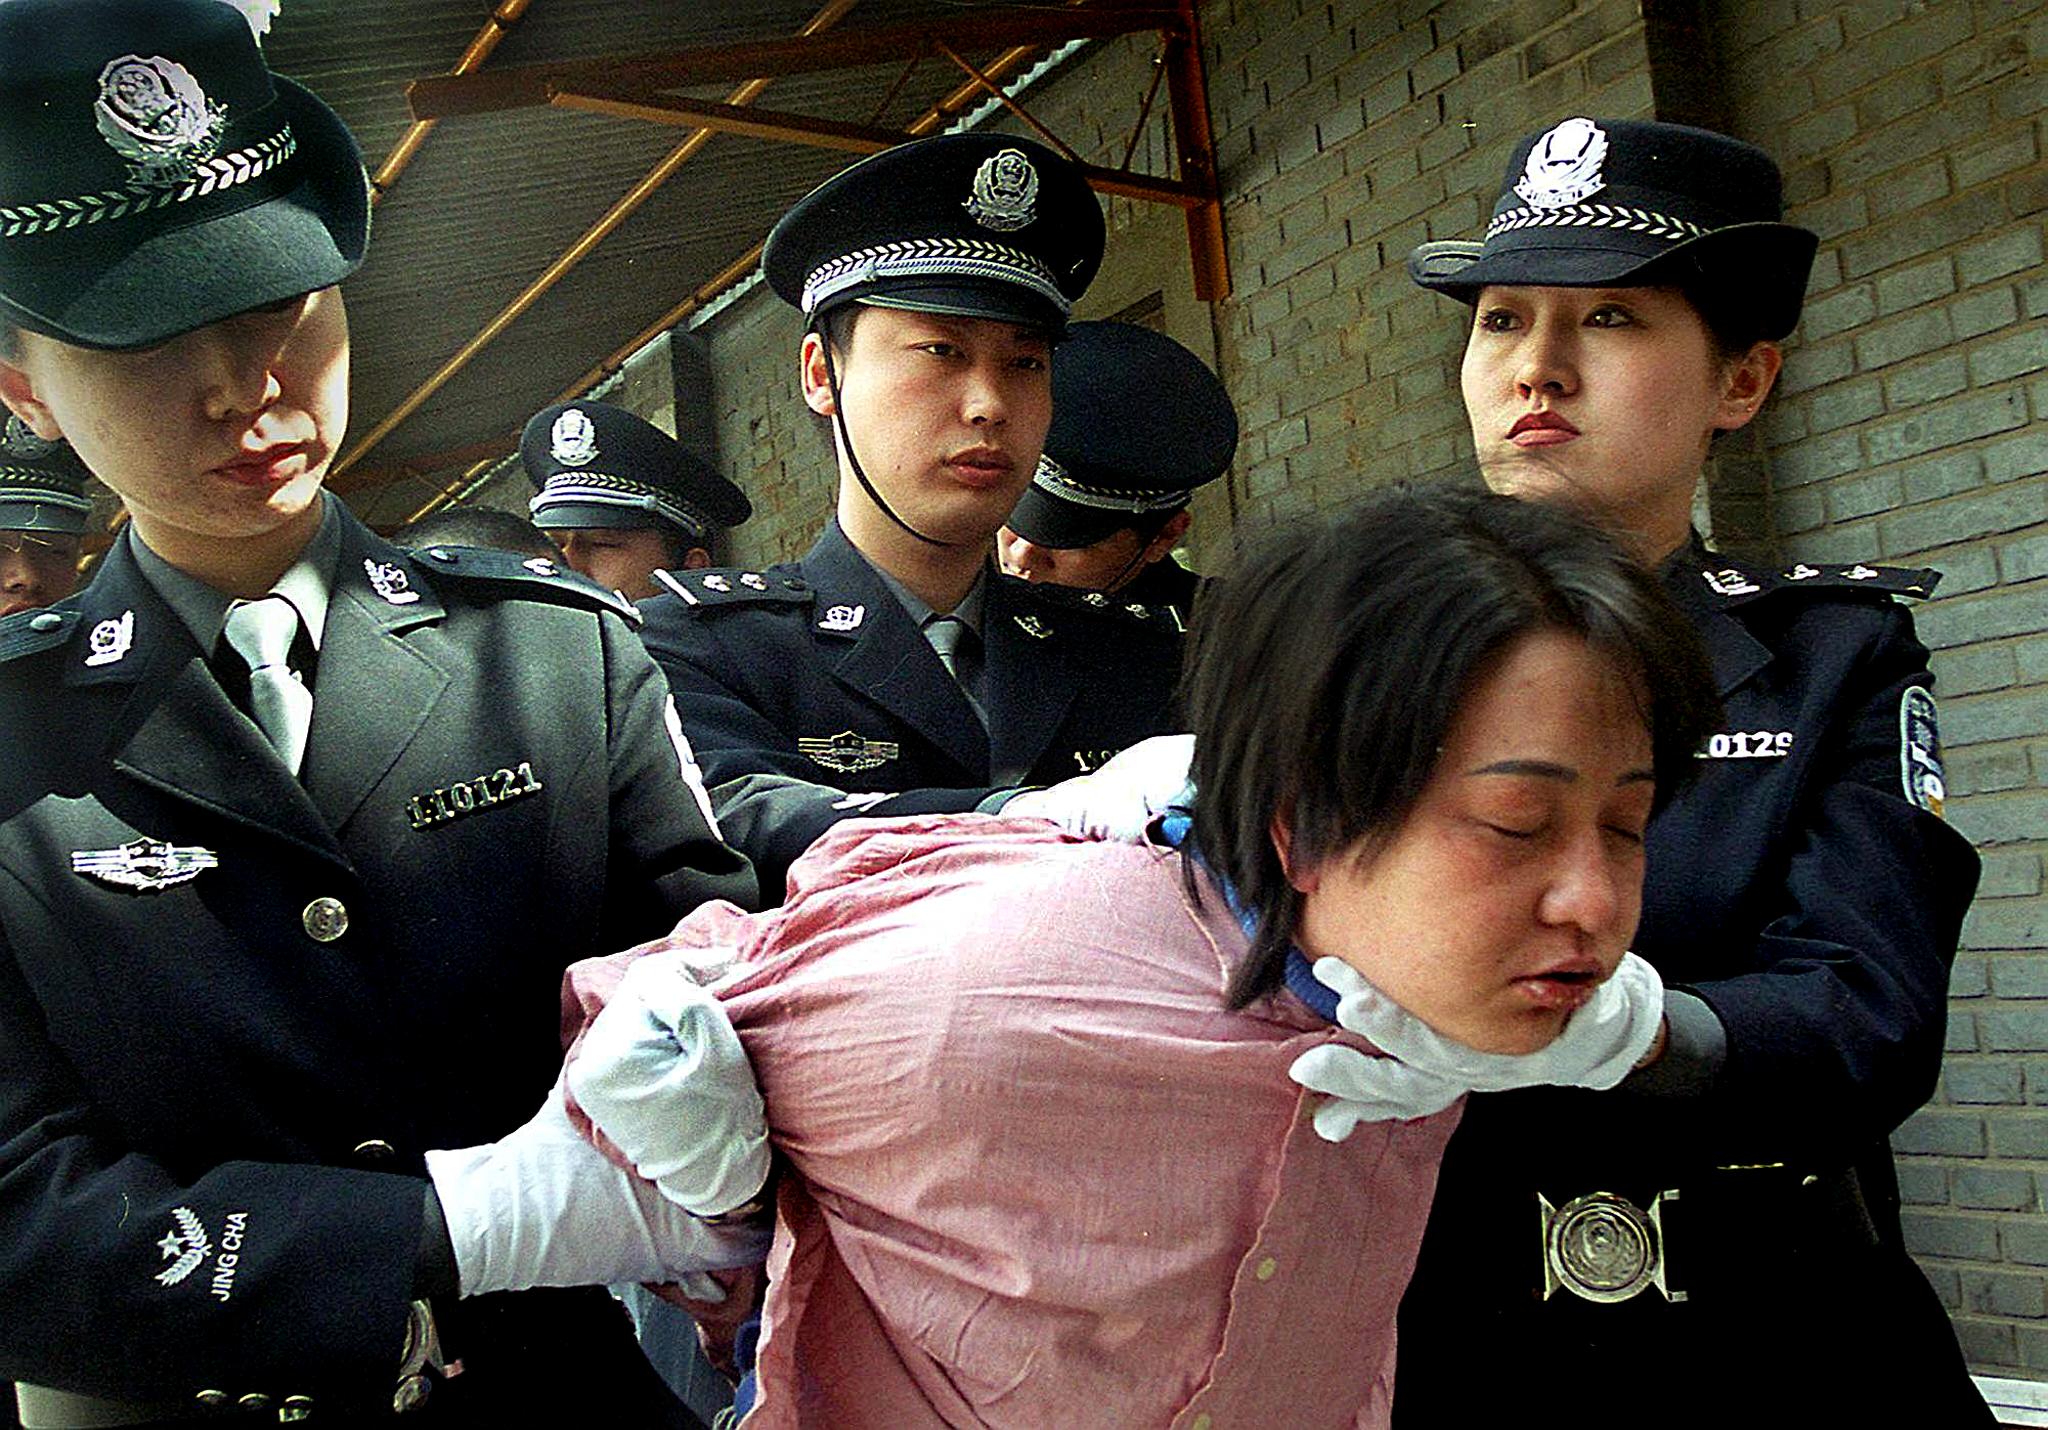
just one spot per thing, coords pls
(1005, 196)
(1564, 165)
(21, 441)
(572, 440)
(155, 115)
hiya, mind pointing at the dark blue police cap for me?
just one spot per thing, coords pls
(1593, 203)
(1138, 422)
(42, 483)
(156, 177)
(979, 225)
(602, 466)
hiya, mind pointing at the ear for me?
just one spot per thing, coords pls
(1169, 536)
(816, 376)
(1746, 383)
(1281, 831)
(18, 391)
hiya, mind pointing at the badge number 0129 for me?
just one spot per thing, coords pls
(438, 806)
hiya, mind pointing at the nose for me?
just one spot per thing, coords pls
(16, 574)
(1590, 887)
(1545, 364)
(242, 359)
(984, 403)
(1020, 557)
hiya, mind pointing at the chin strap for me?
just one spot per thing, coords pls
(846, 441)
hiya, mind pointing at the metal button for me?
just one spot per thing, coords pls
(254, 1400)
(376, 1149)
(213, 1399)
(1265, 1269)
(45, 621)
(325, 919)
(411, 1393)
(295, 1407)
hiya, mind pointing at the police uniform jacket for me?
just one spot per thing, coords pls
(811, 696)
(219, 1071)
(1166, 583)
(1805, 888)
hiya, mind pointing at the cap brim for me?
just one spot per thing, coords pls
(309, 237)
(28, 514)
(1044, 520)
(961, 298)
(588, 516)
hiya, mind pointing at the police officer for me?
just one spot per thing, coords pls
(1717, 1242)
(43, 514)
(297, 829)
(891, 670)
(622, 498)
(1138, 424)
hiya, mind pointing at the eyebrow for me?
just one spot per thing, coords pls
(1548, 770)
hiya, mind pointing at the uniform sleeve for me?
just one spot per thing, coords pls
(667, 856)
(1838, 1034)
(126, 1278)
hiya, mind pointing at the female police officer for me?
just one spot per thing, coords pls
(1718, 1238)
(296, 830)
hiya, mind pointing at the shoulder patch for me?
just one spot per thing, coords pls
(1161, 618)
(26, 632)
(732, 586)
(535, 577)
(1735, 583)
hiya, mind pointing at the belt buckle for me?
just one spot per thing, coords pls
(1604, 1248)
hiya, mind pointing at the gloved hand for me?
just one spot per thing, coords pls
(1424, 1071)
(1120, 799)
(542, 1207)
(662, 1074)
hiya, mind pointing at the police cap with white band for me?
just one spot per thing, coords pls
(977, 225)
(601, 466)
(1138, 422)
(42, 483)
(1593, 203)
(155, 176)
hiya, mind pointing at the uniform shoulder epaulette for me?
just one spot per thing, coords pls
(539, 577)
(1160, 618)
(1736, 583)
(716, 587)
(26, 632)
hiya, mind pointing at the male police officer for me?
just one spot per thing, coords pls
(622, 498)
(890, 670)
(1138, 423)
(43, 512)
(297, 830)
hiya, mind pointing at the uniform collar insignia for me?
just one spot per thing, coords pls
(1564, 165)
(1005, 196)
(111, 639)
(1033, 627)
(1729, 582)
(153, 113)
(145, 865)
(843, 619)
(390, 581)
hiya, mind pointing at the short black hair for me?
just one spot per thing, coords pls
(1324, 676)
(477, 526)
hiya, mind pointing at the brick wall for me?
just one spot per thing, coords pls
(1912, 427)
(1911, 424)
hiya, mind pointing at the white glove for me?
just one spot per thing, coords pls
(662, 1074)
(542, 1207)
(1120, 799)
(1425, 1072)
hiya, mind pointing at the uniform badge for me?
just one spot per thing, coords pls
(1802, 572)
(433, 807)
(1729, 583)
(1096, 599)
(1920, 752)
(717, 583)
(847, 752)
(1035, 628)
(186, 1247)
(154, 114)
(144, 865)
(752, 581)
(390, 582)
(1604, 1248)
(843, 619)
(1564, 166)
(1005, 196)
(21, 441)
(572, 440)
(540, 566)
(111, 639)
(1139, 610)
(1860, 572)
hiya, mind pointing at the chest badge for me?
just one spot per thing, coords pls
(111, 640)
(390, 582)
(843, 619)
(847, 752)
(431, 807)
(145, 865)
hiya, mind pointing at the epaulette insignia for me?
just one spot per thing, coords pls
(733, 587)
(26, 632)
(1161, 618)
(530, 575)
(1738, 584)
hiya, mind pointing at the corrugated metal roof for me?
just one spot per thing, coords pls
(491, 200)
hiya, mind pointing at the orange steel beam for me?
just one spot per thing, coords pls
(1188, 94)
(995, 92)
(617, 214)
(502, 20)
(526, 86)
